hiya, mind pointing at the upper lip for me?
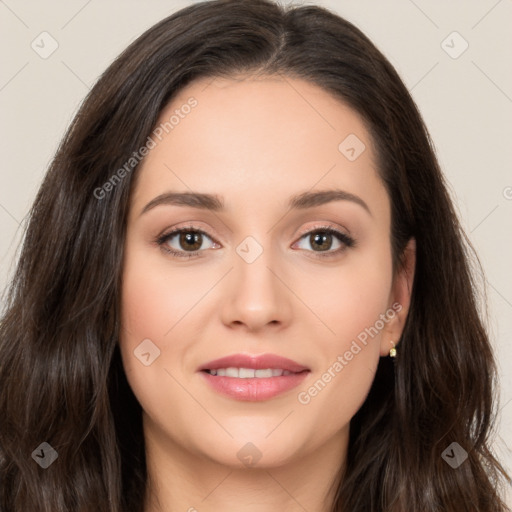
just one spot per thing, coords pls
(256, 362)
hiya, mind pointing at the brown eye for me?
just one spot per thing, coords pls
(321, 241)
(184, 242)
(190, 240)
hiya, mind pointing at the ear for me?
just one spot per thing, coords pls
(399, 299)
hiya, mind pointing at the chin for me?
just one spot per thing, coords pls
(256, 452)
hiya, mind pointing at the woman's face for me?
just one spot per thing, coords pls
(264, 278)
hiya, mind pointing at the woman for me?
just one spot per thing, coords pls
(243, 286)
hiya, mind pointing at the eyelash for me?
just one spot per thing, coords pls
(342, 237)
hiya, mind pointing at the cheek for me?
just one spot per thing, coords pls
(145, 307)
(148, 312)
(351, 303)
(153, 298)
(351, 299)
(157, 305)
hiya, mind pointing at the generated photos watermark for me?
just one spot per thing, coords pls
(137, 156)
(305, 397)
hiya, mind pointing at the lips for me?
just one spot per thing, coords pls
(256, 362)
(232, 376)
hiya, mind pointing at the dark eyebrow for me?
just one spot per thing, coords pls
(192, 199)
(215, 203)
(310, 199)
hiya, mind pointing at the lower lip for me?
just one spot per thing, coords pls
(255, 389)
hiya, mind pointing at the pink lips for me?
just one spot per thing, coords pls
(259, 362)
(254, 389)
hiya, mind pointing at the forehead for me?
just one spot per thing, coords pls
(262, 116)
(270, 135)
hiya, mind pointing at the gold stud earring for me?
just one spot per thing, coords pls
(392, 350)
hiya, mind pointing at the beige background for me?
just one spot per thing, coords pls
(466, 102)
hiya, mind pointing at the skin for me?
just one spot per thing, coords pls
(256, 141)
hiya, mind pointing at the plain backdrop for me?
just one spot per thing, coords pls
(455, 58)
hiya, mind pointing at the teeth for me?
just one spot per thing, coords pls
(249, 373)
(231, 372)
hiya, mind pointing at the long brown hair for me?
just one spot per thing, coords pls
(61, 377)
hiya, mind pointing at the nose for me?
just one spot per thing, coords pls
(255, 296)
